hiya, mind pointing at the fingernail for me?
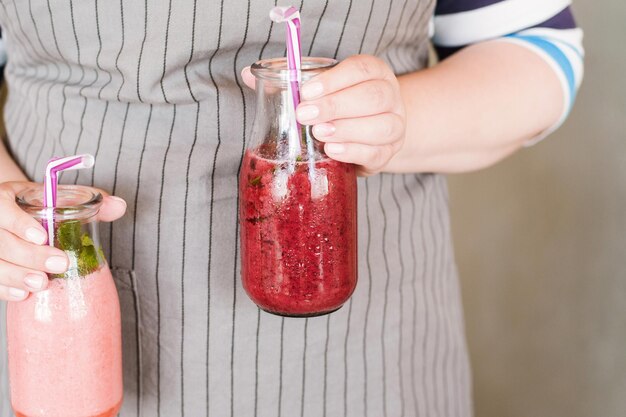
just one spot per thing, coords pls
(34, 281)
(118, 199)
(17, 294)
(323, 130)
(311, 90)
(36, 236)
(56, 264)
(335, 148)
(307, 112)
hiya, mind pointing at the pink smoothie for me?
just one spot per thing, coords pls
(65, 355)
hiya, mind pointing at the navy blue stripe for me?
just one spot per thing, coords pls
(458, 6)
(563, 20)
(445, 52)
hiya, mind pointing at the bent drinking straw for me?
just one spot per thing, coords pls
(54, 166)
(291, 16)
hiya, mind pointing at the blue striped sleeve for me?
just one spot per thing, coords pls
(547, 27)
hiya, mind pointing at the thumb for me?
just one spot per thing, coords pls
(248, 78)
(112, 207)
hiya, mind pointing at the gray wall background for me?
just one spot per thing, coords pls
(541, 247)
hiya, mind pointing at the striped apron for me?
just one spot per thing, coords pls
(152, 89)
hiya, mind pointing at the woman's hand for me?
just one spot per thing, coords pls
(24, 256)
(356, 109)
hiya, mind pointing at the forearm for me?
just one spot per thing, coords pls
(9, 171)
(475, 108)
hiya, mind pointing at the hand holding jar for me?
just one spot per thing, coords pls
(24, 257)
(356, 109)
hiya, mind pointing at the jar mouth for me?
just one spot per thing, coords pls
(276, 69)
(73, 202)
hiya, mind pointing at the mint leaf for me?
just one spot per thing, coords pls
(86, 240)
(86, 258)
(69, 236)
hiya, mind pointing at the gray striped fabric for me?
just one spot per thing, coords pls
(152, 88)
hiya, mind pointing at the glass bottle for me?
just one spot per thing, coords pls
(64, 343)
(298, 208)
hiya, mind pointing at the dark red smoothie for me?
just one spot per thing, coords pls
(298, 234)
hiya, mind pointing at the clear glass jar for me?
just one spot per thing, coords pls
(65, 343)
(298, 208)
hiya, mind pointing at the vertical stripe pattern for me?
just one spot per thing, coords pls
(153, 90)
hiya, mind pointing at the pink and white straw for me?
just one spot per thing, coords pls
(54, 166)
(291, 16)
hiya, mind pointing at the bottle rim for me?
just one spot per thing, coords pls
(74, 202)
(276, 69)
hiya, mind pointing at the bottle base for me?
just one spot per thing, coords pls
(111, 412)
(299, 316)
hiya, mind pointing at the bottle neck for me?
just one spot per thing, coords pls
(276, 135)
(75, 225)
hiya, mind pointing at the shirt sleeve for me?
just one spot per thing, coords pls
(546, 27)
